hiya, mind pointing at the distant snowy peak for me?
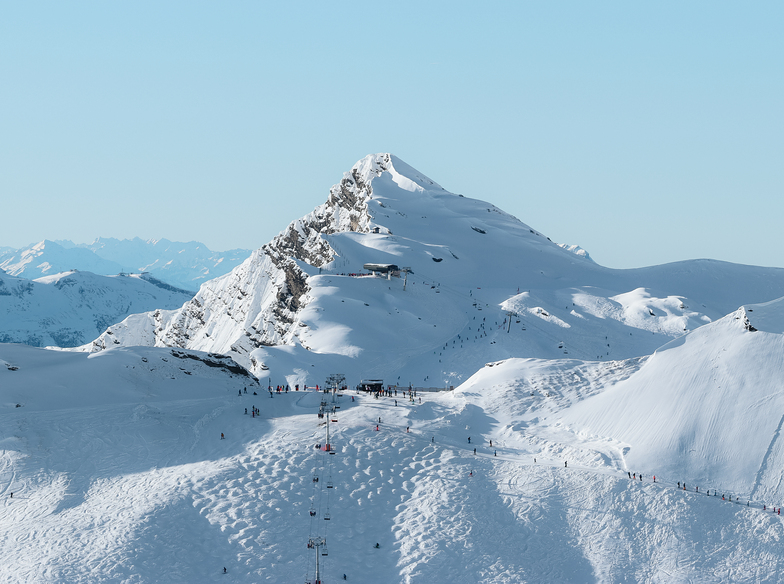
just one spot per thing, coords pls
(182, 265)
(70, 308)
(576, 250)
(47, 257)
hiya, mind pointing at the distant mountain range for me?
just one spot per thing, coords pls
(70, 308)
(182, 265)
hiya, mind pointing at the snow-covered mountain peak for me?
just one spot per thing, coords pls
(478, 286)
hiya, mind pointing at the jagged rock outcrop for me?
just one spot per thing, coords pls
(257, 303)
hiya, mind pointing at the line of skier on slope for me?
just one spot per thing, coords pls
(682, 486)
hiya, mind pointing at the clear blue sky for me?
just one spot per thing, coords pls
(644, 133)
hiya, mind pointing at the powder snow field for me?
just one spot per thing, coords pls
(119, 475)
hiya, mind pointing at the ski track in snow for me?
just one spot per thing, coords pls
(152, 494)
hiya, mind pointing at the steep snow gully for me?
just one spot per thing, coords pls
(533, 396)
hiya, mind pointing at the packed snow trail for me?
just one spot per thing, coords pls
(127, 480)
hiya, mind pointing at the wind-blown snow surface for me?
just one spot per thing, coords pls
(68, 309)
(296, 310)
(119, 474)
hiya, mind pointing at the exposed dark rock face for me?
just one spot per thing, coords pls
(258, 303)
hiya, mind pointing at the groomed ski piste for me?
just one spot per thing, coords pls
(119, 473)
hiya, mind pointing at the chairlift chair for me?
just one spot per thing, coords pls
(329, 483)
(326, 516)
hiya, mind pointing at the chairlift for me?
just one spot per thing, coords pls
(329, 483)
(334, 420)
(324, 550)
(315, 478)
(326, 515)
(312, 512)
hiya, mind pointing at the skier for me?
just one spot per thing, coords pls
(376, 427)
(679, 484)
(474, 450)
(534, 461)
(377, 546)
(344, 577)
(565, 464)
(654, 478)
(491, 443)
(246, 411)
(406, 429)
(221, 435)
(433, 439)
(239, 392)
(224, 569)
(495, 453)
(469, 439)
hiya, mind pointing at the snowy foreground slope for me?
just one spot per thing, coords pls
(296, 307)
(69, 308)
(119, 474)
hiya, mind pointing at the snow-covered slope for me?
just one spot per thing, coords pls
(68, 309)
(119, 474)
(297, 302)
(707, 407)
(183, 265)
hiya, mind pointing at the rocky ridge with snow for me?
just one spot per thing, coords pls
(301, 297)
